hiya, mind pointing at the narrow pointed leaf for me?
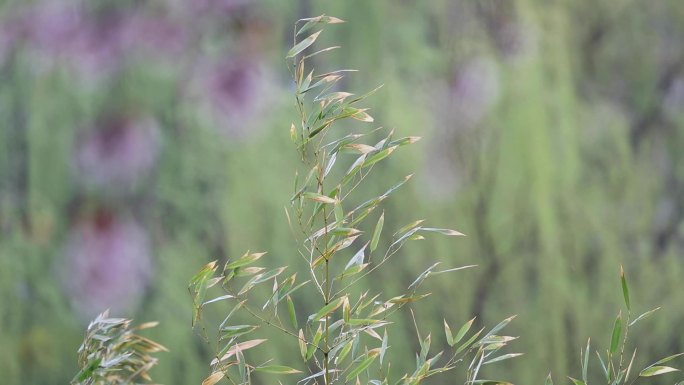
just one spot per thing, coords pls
(278, 369)
(625, 288)
(656, 371)
(302, 45)
(646, 314)
(617, 332)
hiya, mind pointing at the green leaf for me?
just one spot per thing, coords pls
(462, 332)
(383, 347)
(291, 311)
(345, 351)
(576, 381)
(378, 156)
(302, 45)
(503, 357)
(625, 289)
(469, 341)
(449, 336)
(361, 366)
(235, 330)
(617, 332)
(669, 358)
(500, 326)
(646, 314)
(278, 369)
(656, 371)
(376, 232)
(244, 260)
(314, 343)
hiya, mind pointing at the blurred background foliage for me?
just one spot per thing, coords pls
(142, 139)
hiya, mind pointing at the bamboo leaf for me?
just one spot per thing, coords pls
(302, 45)
(656, 371)
(278, 369)
(302, 345)
(327, 309)
(670, 358)
(244, 260)
(291, 311)
(503, 357)
(462, 332)
(615, 336)
(625, 289)
(646, 314)
(361, 366)
(377, 232)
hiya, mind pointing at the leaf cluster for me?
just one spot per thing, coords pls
(113, 354)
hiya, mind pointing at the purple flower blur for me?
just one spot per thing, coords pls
(118, 153)
(108, 264)
(234, 93)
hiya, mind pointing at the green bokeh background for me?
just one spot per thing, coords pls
(561, 156)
